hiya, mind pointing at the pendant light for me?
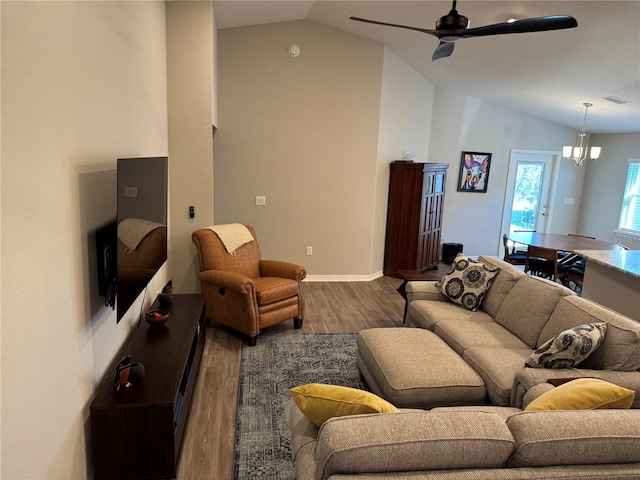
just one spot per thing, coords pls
(581, 150)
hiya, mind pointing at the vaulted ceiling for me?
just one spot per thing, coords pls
(546, 74)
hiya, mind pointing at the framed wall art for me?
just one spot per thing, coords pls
(474, 172)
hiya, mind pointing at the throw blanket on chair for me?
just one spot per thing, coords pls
(131, 231)
(232, 235)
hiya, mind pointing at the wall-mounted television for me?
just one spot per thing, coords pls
(134, 247)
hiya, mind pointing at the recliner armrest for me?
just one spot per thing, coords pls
(277, 268)
(231, 281)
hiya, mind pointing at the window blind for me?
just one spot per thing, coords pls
(630, 213)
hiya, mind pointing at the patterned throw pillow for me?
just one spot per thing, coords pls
(467, 281)
(569, 348)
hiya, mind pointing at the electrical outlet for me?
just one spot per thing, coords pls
(131, 192)
(309, 250)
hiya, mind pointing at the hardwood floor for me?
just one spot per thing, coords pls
(331, 307)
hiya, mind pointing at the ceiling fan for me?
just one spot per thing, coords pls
(453, 27)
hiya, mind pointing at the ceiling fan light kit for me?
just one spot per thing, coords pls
(581, 150)
(453, 27)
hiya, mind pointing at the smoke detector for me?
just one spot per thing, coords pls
(294, 50)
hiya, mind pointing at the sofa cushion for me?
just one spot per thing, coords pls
(467, 281)
(502, 412)
(412, 441)
(427, 313)
(320, 402)
(620, 349)
(501, 285)
(575, 437)
(414, 368)
(497, 367)
(528, 306)
(584, 394)
(569, 348)
(460, 335)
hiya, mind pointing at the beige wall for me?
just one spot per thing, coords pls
(604, 187)
(191, 77)
(303, 132)
(83, 83)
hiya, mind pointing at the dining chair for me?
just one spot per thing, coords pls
(543, 262)
(511, 255)
(575, 275)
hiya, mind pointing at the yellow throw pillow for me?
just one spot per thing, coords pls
(584, 394)
(320, 402)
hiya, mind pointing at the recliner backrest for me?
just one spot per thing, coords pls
(213, 256)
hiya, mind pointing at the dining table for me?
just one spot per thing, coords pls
(612, 273)
(560, 241)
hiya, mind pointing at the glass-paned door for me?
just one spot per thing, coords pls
(526, 196)
(527, 200)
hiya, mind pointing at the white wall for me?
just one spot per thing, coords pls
(604, 187)
(83, 83)
(461, 123)
(406, 104)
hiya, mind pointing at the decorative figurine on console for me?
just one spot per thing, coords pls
(127, 374)
(166, 296)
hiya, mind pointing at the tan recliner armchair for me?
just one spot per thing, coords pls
(245, 292)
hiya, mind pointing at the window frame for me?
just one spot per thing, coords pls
(628, 198)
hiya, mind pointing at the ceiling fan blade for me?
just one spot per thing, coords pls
(443, 50)
(375, 22)
(540, 24)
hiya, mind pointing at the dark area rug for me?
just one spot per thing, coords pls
(276, 364)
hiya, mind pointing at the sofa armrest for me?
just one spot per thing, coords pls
(426, 290)
(412, 441)
(527, 378)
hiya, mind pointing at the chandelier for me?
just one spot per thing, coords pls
(581, 150)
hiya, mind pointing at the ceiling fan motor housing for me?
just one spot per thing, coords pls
(452, 21)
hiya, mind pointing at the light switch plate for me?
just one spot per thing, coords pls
(261, 200)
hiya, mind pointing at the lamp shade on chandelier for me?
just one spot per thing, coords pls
(581, 151)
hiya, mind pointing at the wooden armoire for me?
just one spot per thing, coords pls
(414, 216)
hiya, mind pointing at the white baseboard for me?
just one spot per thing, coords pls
(343, 278)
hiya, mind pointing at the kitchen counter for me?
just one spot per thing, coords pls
(612, 279)
(625, 261)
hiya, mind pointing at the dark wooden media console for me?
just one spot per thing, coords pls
(137, 432)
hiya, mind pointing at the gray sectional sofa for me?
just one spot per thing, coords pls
(497, 439)
(519, 313)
